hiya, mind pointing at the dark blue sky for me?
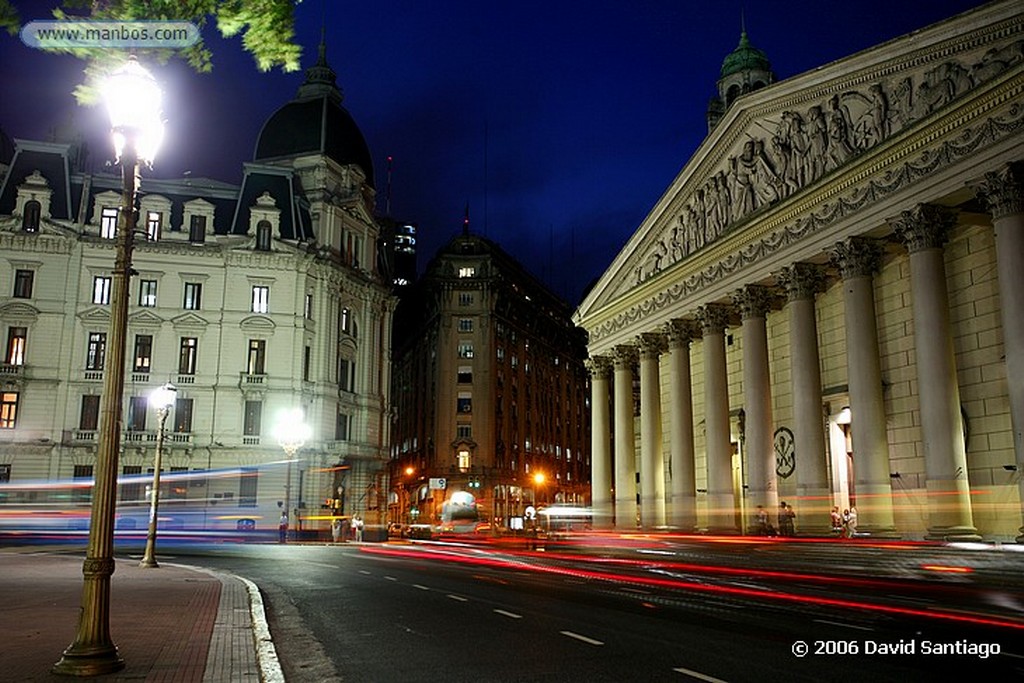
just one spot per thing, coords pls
(560, 122)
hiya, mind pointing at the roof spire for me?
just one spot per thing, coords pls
(320, 78)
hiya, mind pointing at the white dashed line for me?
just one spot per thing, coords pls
(363, 571)
(698, 675)
(513, 615)
(838, 623)
(585, 639)
(458, 597)
(422, 588)
(391, 578)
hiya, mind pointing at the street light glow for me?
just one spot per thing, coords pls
(132, 97)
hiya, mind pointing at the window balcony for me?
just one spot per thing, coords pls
(247, 379)
(12, 370)
(186, 379)
(94, 375)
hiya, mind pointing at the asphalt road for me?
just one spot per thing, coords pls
(432, 612)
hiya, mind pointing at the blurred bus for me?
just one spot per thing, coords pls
(199, 505)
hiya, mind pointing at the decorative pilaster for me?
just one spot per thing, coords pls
(1003, 192)
(859, 259)
(652, 459)
(802, 281)
(682, 511)
(625, 438)
(600, 369)
(753, 303)
(924, 230)
(721, 497)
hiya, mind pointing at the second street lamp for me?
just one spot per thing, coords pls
(291, 432)
(132, 97)
(162, 399)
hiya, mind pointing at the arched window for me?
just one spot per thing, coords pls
(30, 222)
(263, 236)
(731, 95)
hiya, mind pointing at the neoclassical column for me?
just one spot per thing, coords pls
(652, 459)
(625, 439)
(924, 231)
(601, 483)
(802, 282)
(1003, 193)
(753, 303)
(858, 259)
(721, 502)
(682, 510)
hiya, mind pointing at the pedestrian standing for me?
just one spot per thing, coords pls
(764, 527)
(851, 523)
(282, 528)
(837, 521)
(357, 523)
(336, 529)
(786, 520)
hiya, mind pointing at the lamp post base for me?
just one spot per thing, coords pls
(88, 661)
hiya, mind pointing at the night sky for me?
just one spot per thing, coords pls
(559, 122)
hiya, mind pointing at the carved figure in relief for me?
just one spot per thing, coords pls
(723, 199)
(766, 182)
(873, 125)
(839, 147)
(676, 250)
(700, 213)
(997, 60)
(743, 181)
(901, 104)
(818, 137)
(940, 86)
(654, 260)
(713, 226)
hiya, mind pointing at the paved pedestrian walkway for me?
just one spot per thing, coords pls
(175, 623)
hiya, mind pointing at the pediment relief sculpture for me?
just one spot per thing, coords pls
(785, 152)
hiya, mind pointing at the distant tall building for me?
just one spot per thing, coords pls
(491, 392)
(251, 299)
(400, 250)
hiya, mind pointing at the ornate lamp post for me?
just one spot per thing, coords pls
(162, 399)
(132, 97)
(291, 433)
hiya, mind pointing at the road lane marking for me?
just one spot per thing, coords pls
(363, 571)
(391, 578)
(321, 564)
(509, 614)
(458, 597)
(422, 588)
(577, 636)
(839, 623)
(698, 675)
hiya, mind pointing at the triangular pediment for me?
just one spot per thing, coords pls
(190, 320)
(803, 137)
(95, 315)
(145, 318)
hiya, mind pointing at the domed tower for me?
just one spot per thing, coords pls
(744, 70)
(316, 138)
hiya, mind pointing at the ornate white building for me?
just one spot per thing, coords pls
(827, 305)
(250, 299)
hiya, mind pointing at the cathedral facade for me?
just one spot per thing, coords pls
(826, 307)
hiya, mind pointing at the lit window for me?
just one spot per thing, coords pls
(101, 290)
(263, 230)
(147, 293)
(465, 350)
(464, 459)
(257, 356)
(30, 221)
(96, 351)
(143, 352)
(193, 296)
(108, 223)
(8, 409)
(16, 337)
(308, 308)
(187, 356)
(154, 224)
(465, 404)
(467, 271)
(260, 299)
(183, 415)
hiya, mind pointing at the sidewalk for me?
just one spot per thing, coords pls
(174, 623)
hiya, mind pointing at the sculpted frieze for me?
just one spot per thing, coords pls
(782, 153)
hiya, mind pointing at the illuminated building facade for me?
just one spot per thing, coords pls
(826, 307)
(490, 389)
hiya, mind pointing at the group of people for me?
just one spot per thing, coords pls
(844, 524)
(338, 528)
(786, 520)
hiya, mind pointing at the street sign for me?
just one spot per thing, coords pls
(438, 483)
(530, 512)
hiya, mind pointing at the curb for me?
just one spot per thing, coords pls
(266, 653)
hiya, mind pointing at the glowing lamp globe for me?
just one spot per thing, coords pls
(132, 97)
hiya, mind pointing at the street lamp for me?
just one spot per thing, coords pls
(162, 399)
(132, 97)
(291, 433)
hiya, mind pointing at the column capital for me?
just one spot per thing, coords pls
(651, 344)
(624, 356)
(681, 331)
(802, 280)
(714, 318)
(925, 226)
(599, 367)
(753, 301)
(857, 257)
(1002, 190)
